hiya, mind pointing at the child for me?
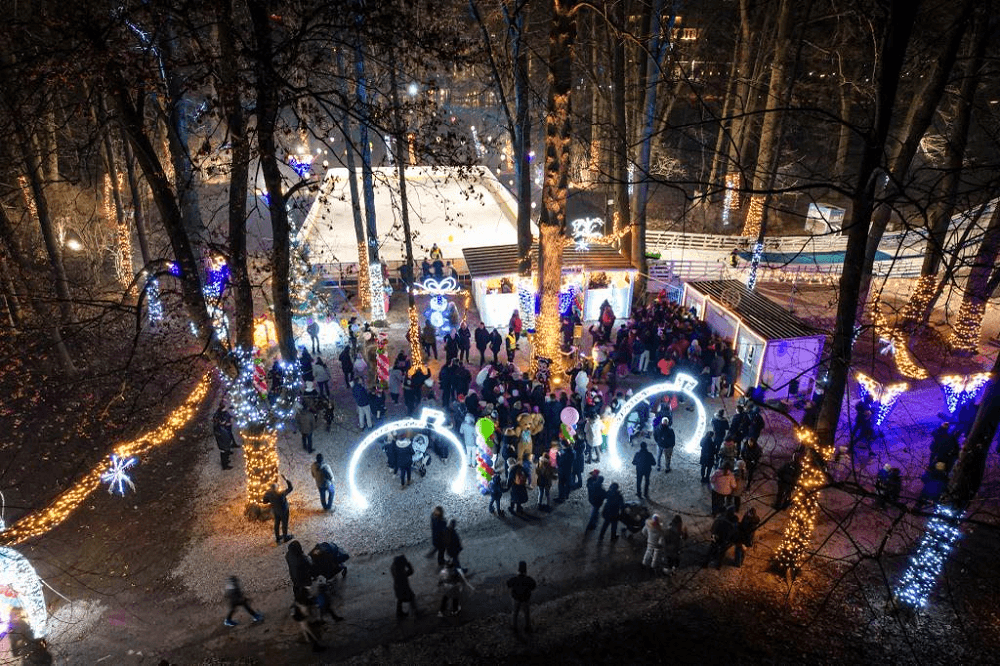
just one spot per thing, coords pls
(236, 598)
(496, 492)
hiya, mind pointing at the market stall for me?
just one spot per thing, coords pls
(589, 277)
(778, 352)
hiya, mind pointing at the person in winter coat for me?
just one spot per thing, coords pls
(236, 598)
(496, 343)
(306, 364)
(665, 441)
(521, 586)
(564, 463)
(482, 338)
(413, 387)
(439, 534)
(322, 375)
(515, 325)
(454, 543)
(347, 365)
(511, 345)
(543, 479)
(453, 582)
(222, 429)
(363, 400)
(751, 456)
(594, 435)
(464, 341)
(305, 418)
(322, 474)
(739, 426)
(724, 534)
(745, 532)
(673, 538)
(496, 489)
(935, 482)
(723, 485)
(404, 458)
(653, 531)
(643, 461)
(278, 499)
(468, 432)
(614, 504)
(518, 486)
(707, 457)
(595, 495)
(729, 452)
(720, 426)
(401, 570)
(299, 567)
(428, 340)
(450, 347)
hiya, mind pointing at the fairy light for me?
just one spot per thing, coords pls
(413, 334)
(38, 523)
(921, 297)
(960, 389)
(260, 455)
(583, 230)
(731, 201)
(964, 337)
(154, 306)
(791, 552)
(758, 251)
(123, 254)
(29, 199)
(430, 419)
(22, 589)
(116, 476)
(265, 335)
(526, 302)
(928, 561)
(899, 343)
(755, 213)
(364, 284)
(883, 397)
(682, 383)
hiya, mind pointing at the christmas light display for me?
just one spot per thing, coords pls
(116, 476)
(921, 297)
(430, 419)
(38, 523)
(964, 336)
(378, 292)
(898, 343)
(301, 164)
(21, 588)
(755, 213)
(154, 306)
(260, 455)
(758, 251)
(928, 561)
(791, 552)
(584, 230)
(265, 335)
(364, 277)
(413, 335)
(960, 389)
(29, 198)
(123, 251)
(731, 201)
(882, 398)
(526, 303)
(682, 383)
(441, 313)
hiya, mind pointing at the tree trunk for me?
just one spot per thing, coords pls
(659, 41)
(123, 238)
(137, 206)
(239, 175)
(724, 136)
(845, 133)
(620, 133)
(899, 25)
(522, 139)
(968, 473)
(555, 183)
(979, 288)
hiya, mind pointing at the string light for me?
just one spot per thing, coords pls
(364, 284)
(758, 251)
(755, 213)
(964, 337)
(960, 389)
(116, 476)
(154, 306)
(413, 335)
(29, 198)
(731, 201)
(123, 255)
(883, 398)
(791, 552)
(682, 383)
(23, 589)
(921, 297)
(265, 335)
(526, 302)
(928, 561)
(38, 523)
(260, 455)
(584, 229)
(899, 343)
(430, 419)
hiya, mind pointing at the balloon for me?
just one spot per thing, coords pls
(569, 416)
(485, 427)
(451, 239)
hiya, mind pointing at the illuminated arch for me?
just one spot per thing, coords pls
(682, 383)
(430, 419)
(22, 589)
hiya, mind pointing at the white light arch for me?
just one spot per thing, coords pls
(430, 419)
(682, 383)
(19, 577)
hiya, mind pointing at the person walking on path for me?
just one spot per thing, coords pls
(543, 479)
(454, 543)
(723, 486)
(521, 586)
(322, 375)
(313, 330)
(305, 418)
(665, 441)
(653, 531)
(347, 365)
(614, 503)
(278, 499)
(404, 459)
(643, 461)
(496, 342)
(363, 400)
(482, 337)
(323, 475)
(496, 493)
(401, 571)
(595, 495)
(453, 582)
(673, 538)
(222, 429)
(707, 457)
(464, 339)
(236, 599)
(428, 340)
(439, 534)
(564, 464)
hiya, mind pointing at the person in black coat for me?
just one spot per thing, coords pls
(720, 426)
(446, 379)
(595, 495)
(665, 442)
(614, 504)
(644, 462)
(439, 534)
(579, 447)
(347, 365)
(482, 342)
(707, 458)
(461, 379)
(564, 463)
(454, 543)
(278, 499)
(450, 347)
(401, 571)
(496, 343)
(464, 340)
(299, 568)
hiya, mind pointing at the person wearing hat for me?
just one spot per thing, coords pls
(521, 586)
(653, 531)
(643, 461)
(935, 481)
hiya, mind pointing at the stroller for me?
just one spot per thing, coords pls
(633, 518)
(421, 459)
(328, 561)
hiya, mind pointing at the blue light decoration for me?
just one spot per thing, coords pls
(961, 389)
(571, 302)
(442, 313)
(526, 304)
(216, 279)
(175, 269)
(154, 306)
(250, 407)
(265, 197)
(758, 250)
(881, 398)
(300, 167)
(117, 477)
(928, 561)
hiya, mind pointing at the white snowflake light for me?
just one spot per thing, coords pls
(116, 476)
(584, 229)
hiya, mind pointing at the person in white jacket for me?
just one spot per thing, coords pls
(653, 531)
(468, 431)
(594, 436)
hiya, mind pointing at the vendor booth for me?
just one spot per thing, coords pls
(589, 277)
(778, 352)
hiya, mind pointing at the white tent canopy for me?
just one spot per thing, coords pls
(455, 207)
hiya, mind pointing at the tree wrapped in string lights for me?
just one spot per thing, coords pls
(928, 561)
(791, 552)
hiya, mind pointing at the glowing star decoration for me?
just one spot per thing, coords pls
(928, 561)
(883, 398)
(961, 389)
(585, 230)
(21, 588)
(117, 477)
(682, 383)
(430, 419)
